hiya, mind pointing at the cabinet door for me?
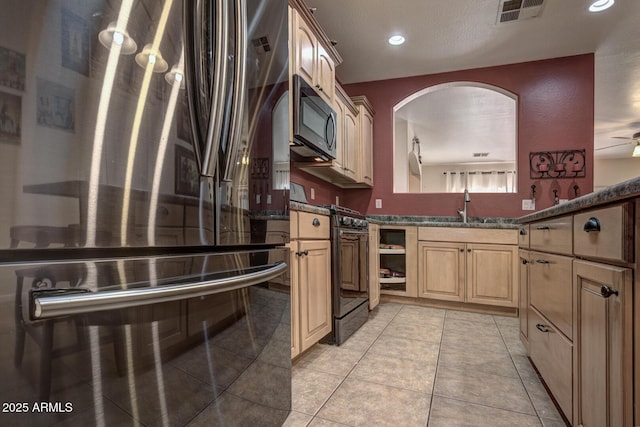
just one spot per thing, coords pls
(314, 279)
(492, 274)
(523, 294)
(441, 271)
(366, 148)
(603, 328)
(295, 299)
(325, 75)
(374, 266)
(352, 144)
(305, 46)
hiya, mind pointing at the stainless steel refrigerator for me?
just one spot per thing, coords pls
(144, 164)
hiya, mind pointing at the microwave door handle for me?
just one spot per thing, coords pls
(239, 91)
(47, 305)
(331, 120)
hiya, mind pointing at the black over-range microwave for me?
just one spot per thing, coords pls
(314, 123)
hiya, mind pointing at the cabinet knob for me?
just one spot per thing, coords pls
(524, 261)
(523, 232)
(469, 250)
(592, 224)
(542, 328)
(606, 291)
(315, 222)
(461, 250)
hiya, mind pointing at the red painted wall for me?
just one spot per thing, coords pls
(555, 112)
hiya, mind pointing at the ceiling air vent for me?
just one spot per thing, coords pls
(517, 10)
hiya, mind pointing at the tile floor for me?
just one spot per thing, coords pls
(418, 366)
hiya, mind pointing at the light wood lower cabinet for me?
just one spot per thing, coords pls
(374, 265)
(523, 295)
(314, 278)
(468, 272)
(603, 327)
(441, 270)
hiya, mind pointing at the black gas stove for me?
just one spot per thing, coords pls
(342, 217)
(350, 268)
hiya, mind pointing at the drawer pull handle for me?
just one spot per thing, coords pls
(163, 211)
(606, 291)
(542, 328)
(523, 232)
(543, 227)
(524, 261)
(543, 261)
(302, 253)
(315, 222)
(592, 224)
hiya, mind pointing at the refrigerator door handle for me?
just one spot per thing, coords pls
(239, 90)
(205, 87)
(47, 306)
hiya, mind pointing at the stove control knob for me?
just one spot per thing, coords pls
(346, 220)
(365, 223)
(357, 222)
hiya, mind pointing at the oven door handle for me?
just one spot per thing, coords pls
(47, 305)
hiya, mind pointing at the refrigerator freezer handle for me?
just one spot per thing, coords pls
(239, 91)
(47, 306)
(205, 88)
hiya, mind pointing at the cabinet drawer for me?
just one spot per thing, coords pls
(604, 233)
(499, 236)
(523, 236)
(552, 236)
(553, 356)
(312, 226)
(551, 289)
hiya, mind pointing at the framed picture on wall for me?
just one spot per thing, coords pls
(12, 69)
(75, 42)
(55, 106)
(10, 117)
(187, 179)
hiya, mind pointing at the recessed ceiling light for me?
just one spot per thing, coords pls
(396, 40)
(600, 5)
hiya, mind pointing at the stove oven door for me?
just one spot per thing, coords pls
(352, 272)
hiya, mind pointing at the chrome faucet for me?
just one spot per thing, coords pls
(463, 211)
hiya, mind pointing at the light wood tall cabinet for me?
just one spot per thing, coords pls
(468, 265)
(310, 280)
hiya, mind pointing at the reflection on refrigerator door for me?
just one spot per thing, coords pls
(215, 359)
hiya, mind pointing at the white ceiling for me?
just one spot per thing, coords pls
(448, 35)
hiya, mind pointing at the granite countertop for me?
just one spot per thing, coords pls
(443, 221)
(297, 206)
(624, 190)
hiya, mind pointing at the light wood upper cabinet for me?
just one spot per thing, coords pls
(365, 149)
(351, 145)
(311, 60)
(603, 326)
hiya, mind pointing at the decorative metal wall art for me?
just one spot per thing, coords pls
(557, 164)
